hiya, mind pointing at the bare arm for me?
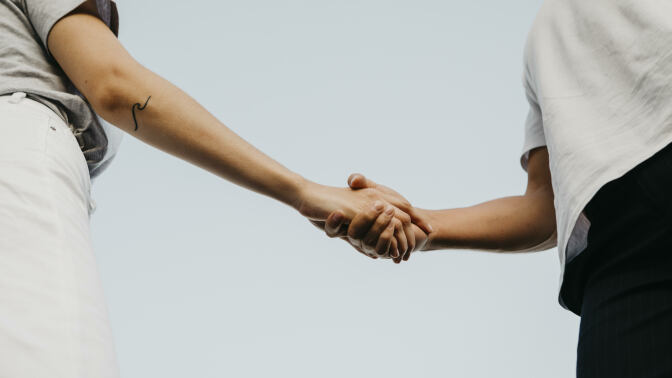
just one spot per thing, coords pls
(155, 111)
(524, 223)
(510, 224)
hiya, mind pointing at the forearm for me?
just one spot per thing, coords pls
(507, 224)
(175, 123)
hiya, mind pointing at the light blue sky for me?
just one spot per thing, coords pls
(204, 279)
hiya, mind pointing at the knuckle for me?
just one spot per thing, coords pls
(371, 212)
(381, 221)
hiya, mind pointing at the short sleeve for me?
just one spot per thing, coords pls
(534, 129)
(44, 14)
(550, 242)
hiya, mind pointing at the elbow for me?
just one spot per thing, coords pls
(550, 242)
(111, 91)
(542, 225)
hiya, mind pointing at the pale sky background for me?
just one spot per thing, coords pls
(205, 279)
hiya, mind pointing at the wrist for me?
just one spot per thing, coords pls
(303, 189)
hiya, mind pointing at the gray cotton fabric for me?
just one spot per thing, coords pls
(27, 66)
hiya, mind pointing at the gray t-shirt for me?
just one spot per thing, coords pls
(27, 66)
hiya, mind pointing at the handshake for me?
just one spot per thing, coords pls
(376, 220)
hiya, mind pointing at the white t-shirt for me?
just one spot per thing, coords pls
(598, 77)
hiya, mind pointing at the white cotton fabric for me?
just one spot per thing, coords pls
(598, 78)
(53, 318)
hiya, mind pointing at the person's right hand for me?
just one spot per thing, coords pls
(393, 226)
(379, 217)
(362, 231)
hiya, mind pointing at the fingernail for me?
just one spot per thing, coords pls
(378, 206)
(338, 217)
(430, 228)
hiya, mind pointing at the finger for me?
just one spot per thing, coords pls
(359, 181)
(333, 224)
(401, 238)
(370, 240)
(407, 255)
(397, 260)
(408, 230)
(385, 241)
(362, 222)
(394, 249)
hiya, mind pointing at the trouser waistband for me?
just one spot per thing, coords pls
(22, 98)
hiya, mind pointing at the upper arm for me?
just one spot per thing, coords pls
(539, 172)
(540, 192)
(89, 53)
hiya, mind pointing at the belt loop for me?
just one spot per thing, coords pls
(17, 97)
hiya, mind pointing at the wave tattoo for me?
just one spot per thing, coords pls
(137, 106)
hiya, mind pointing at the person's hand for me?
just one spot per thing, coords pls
(370, 244)
(393, 226)
(383, 221)
(363, 232)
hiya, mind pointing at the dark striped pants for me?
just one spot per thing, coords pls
(621, 285)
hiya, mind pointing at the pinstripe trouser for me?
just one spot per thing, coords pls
(621, 285)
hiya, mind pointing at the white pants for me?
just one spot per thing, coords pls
(53, 317)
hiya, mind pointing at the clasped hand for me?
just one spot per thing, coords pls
(376, 220)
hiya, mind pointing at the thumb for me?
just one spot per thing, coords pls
(359, 181)
(333, 224)
(421, 222)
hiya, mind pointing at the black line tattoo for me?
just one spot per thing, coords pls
(137, 106)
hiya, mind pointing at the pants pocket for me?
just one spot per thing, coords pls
(22, 133)
(65, 161)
